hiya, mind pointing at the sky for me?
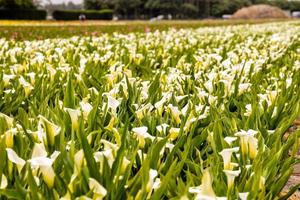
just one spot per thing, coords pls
(62, 1)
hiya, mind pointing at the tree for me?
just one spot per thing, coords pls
(189, 10)
(129, 8)
(229, 6)
(17, 4)
(99, 4)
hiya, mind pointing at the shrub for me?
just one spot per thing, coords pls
(259, 11)
(90, 14)
(31, 14)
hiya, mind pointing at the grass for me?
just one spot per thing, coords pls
(38, 30)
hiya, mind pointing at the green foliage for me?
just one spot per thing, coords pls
(176, 114)
(90, 14)
(20, 13)
(17, 4)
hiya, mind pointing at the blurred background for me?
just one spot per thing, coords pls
(41, 19)
(143, 9)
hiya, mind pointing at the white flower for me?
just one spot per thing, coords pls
(40, 160)
(9, 121)
(79, 160)
(14, 158)
(175, 112)
(248, 142)
(9, 137)
(231, 176)
(140, 113)
(226, 155)
(248, 110)
(112, 103)
(142, 134)
(205, 191)
(27, 87)
(7, 77)
(173, 133)
(152, 175)
(86, 109)
(3, 183)
(98, 190)
(162, 128)
(243, 195)
(107, 154)
(74, 115)
(47, 130)
(243, 87)
(159, 105)
(230, 140)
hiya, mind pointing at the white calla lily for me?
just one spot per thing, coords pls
(9, 137)
(243, 195)
(98, 190)
(230, 140)
(3, 183)
(226, 155)
(86, 109)
(48, 130)
(248, 142)
(9, 120)
(141, 134)
(14, 158)
(74, 115)
(175, 113)
(230, 174)
(40, 161)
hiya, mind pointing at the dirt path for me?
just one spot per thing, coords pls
(295, 178)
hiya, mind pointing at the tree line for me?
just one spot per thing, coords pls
(143, 9)
(146, 9)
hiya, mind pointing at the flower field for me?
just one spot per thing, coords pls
(177, 114)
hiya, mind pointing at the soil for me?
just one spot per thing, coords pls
(295, 178)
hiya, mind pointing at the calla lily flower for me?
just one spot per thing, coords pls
(74, 115)
(249, 143)
(162, 128)
(7, 77)
(140, 113)
(48, 130)
(108, 154)
(226, 155)
(27, 87)
(3, 183)
(14, 158)
(86, 109)
(248, 110)
(205, 190)
(79, 161)
(152, 175)
(230, 140)
(9, 121)
(174, 133)
(98, 190)
(141, 134)
(112, 103)
(9, 137)
(39, 160)
(243, 195)
(175, 112)
(231, 176)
